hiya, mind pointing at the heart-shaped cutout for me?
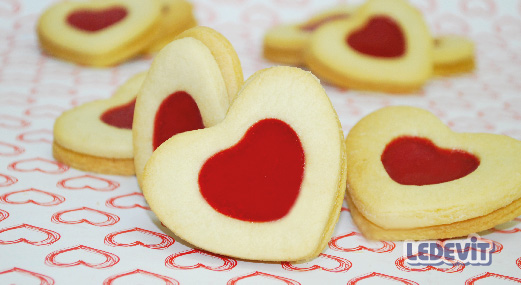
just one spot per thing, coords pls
(384, 46)
(99, 33)
(120, 116)
(262, 174)
(189, 86)
(411, 177)
(417, 161)
(178, 113)
(94, 20)
(380, 37)
(266, 178)
(103, 143)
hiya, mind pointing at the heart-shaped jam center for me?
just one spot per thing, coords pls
(177, 113)
(120, 116)
(418, 161)
(95, 20)
(313, 25)
(259, 178)
(380, 37)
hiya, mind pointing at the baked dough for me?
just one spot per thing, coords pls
(207, 70)
(347, 53)
(176, 16)
(176, 176)
(386, 209)
(84, 141)
(453, 55)
(286, 43)
(133, 27)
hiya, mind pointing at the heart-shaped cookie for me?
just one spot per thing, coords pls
(99, 33)
(266, 183)
(189, 86)
(411, 177)
(286, 43)
(176, 16)
(385, 46)
(452, 55)
(97, 136)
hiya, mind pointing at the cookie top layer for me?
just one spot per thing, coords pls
(185, 65)
(495, 183)
(295, 36)
(171, 186)
(224, 54)
(69, 29)
(385, 46)
(452, 49)
(82, 129)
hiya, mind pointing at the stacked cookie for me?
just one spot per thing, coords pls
(211, 157)
(105, 33)
(263, 164)
(381, 45)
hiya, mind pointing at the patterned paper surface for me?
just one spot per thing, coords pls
(59, 225)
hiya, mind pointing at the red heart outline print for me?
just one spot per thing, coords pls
(51, 236)
(518, 262)
(457, 266)
(478, 8)
(36, 136)
(382, 276)
(288, 281)
(166, 279)
(44, 279)
(16, 99)
(387, 246)
(13, 9)
(56, 90)
(8, 180)
(166, 241)
(486, 275)
(498, 247)
(89, 182)
(42, 165)
(10, 122)
(228, 263)
(56, 199)
(343, 265)
(111, 218)
(14, 149)
(44, 111)
(3, 215)
(113, 204)
(511, 231)
(451, 24)
(110, 258)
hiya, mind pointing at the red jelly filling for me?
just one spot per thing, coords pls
(310, 27)
(380, 37)
(95, 20)
(121, 116)
(177, 113)
(418, 161)
(259, 178)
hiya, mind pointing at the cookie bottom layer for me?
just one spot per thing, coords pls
(458, 229)
(162, 41)
(324, 72)
(104, 165)
(285, 56)
(110, 58)
(463, 66)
